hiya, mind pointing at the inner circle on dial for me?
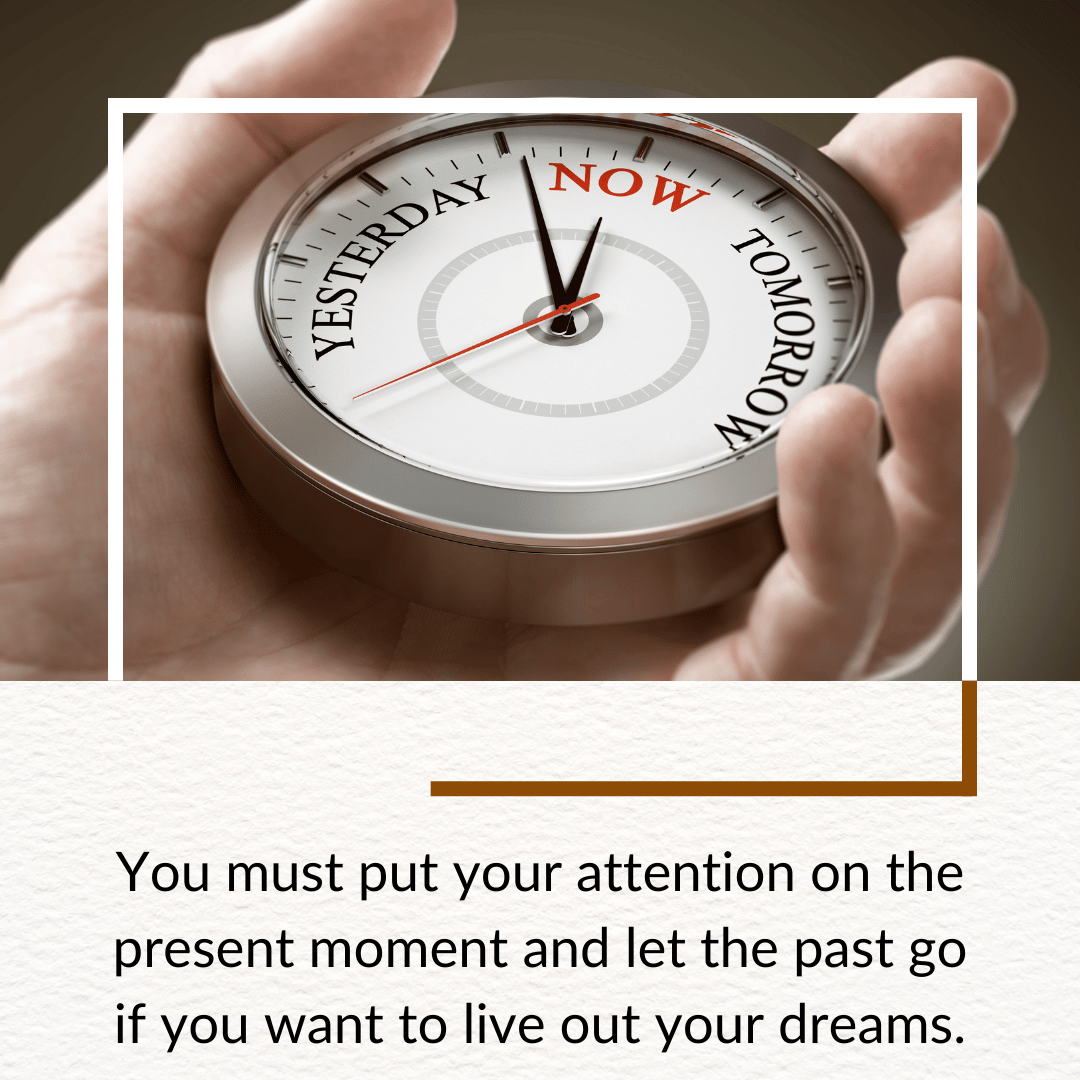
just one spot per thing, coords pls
(691, 353)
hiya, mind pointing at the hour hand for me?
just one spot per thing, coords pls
(564, 324)
(558, 294)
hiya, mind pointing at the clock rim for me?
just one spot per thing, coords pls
(312, 443)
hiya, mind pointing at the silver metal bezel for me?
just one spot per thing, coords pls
(325, 452)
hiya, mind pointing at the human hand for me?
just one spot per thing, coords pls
(215, 590)
(53, 326)
(871, 580)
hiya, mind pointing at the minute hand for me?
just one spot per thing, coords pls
(558, 294)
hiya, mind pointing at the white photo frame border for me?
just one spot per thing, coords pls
(966, 108)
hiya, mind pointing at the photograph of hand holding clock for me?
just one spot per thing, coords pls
(869, 580)
(870, 575)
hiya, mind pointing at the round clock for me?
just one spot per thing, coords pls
(532, 367)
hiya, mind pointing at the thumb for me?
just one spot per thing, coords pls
(818, 611)
(184, 175)
(327, 48)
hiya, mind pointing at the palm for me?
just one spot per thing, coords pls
(52, 438)
(214, 590)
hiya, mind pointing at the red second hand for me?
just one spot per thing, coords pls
(561, 310)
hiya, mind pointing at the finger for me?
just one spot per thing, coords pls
(997, 454)
(920, 390)
(1017, 335)
(931, 267)
(910, 162)
(919, 383)
(817, 613)
(324, 48)
(185, 174)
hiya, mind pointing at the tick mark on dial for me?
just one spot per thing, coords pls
(821, 267)
(410, 185)
(795, 233)
(587, 149)
(345, 216)
(691, 173)
(738, 193)
(770, 198)
(454, 163)
(314, 247)
(805, 250)
(362, 203)
(325, 230)
(841, 320)
(643, 149)
(292, 281)
(480, 159)
(666, 167)
(501, 144)
(284, 318)
(615, 155)
(294, 260)
(286, 299)
(837, 283)
(716, 181)
(376, 185)
(428, 171)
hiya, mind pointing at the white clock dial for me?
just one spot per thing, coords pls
(724, 297)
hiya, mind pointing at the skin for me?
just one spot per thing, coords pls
(869, 583)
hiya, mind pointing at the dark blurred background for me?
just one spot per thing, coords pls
(61, 59)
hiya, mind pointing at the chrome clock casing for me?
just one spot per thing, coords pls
(513, 554)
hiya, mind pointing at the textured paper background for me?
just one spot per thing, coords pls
(292, 771)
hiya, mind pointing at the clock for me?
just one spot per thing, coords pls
(531, 367)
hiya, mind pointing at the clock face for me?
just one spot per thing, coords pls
(712, 294)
